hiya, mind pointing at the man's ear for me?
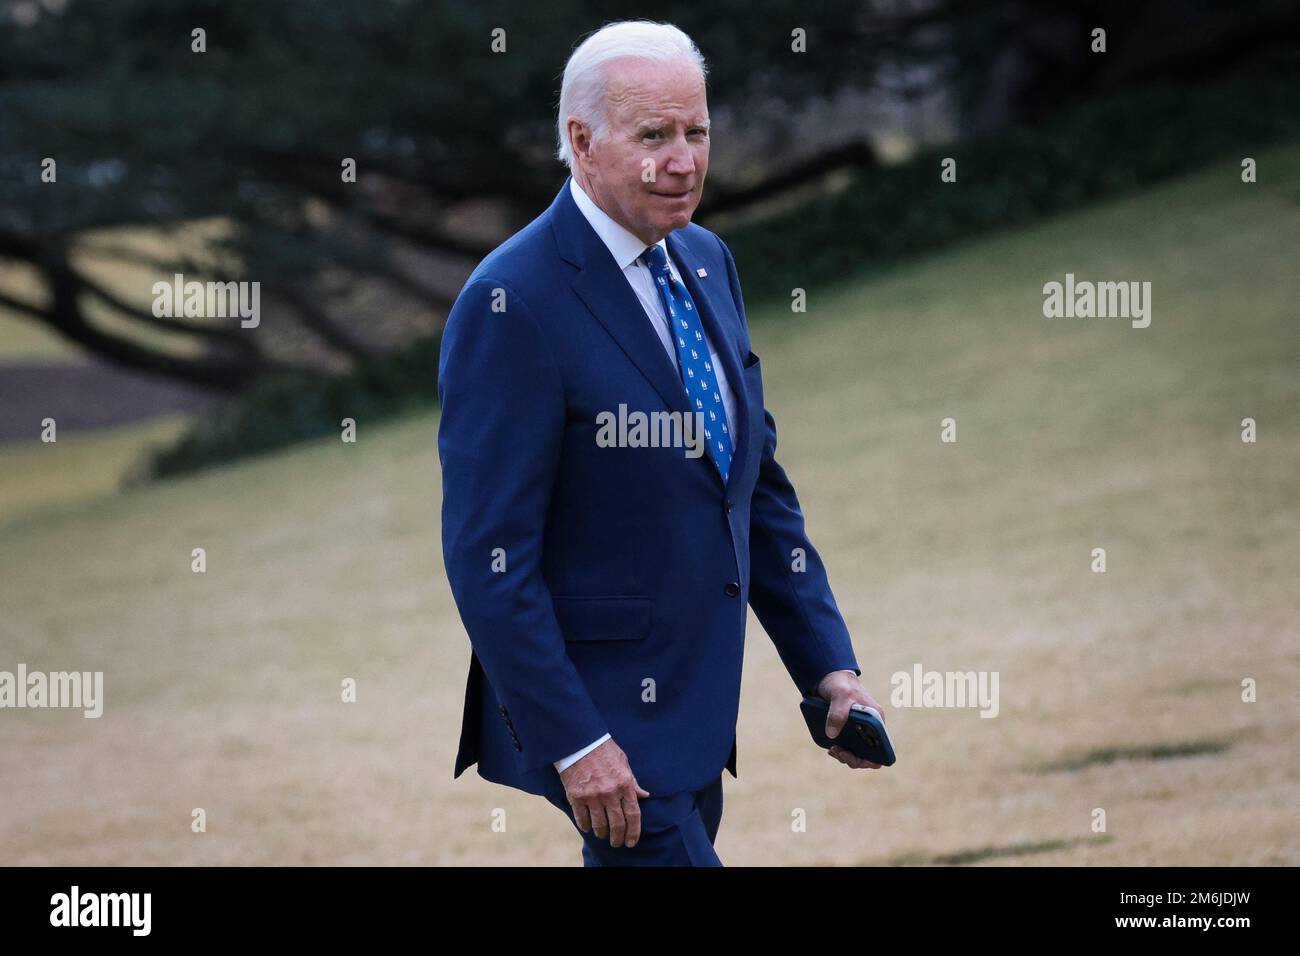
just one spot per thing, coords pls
(579, 136)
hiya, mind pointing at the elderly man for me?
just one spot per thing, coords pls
(603, 584)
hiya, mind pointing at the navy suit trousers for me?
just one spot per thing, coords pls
(677, 829)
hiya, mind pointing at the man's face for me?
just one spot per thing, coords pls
(647, 171)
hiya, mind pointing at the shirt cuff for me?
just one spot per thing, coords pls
(575, 757)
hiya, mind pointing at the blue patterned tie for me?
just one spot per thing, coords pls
(693, 358)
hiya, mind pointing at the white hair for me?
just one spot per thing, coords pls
(582, 92)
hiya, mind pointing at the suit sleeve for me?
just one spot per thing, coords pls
(795, 607)
(499, 439)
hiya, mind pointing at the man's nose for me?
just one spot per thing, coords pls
(680, 160)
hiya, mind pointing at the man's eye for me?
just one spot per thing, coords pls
(697, 131)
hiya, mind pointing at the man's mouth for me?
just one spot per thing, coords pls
(681, 195)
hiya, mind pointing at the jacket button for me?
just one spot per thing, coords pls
(730, 505)
(732, 589)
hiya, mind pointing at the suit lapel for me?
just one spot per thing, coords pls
(614, 304)
(604, 290)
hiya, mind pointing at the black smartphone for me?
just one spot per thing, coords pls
(864, 733)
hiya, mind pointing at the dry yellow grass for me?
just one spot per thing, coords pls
(223, 689)
(37, 475)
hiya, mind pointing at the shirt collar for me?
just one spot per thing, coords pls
(622, 245)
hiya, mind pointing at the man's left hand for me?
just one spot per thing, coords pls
(843, 690)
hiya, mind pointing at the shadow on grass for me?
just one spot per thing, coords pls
(1157, 751)
(982, 854)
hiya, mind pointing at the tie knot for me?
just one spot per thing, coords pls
(656, 259)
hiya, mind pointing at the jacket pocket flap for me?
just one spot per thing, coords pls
(600, 618)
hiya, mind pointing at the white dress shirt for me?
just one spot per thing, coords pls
(626, 250)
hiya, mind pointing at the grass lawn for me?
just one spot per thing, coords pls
(1119, 691)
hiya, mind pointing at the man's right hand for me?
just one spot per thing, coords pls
(603, 793)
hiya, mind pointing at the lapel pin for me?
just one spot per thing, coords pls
(702, 273)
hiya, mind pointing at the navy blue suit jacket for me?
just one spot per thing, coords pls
(604, 589)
